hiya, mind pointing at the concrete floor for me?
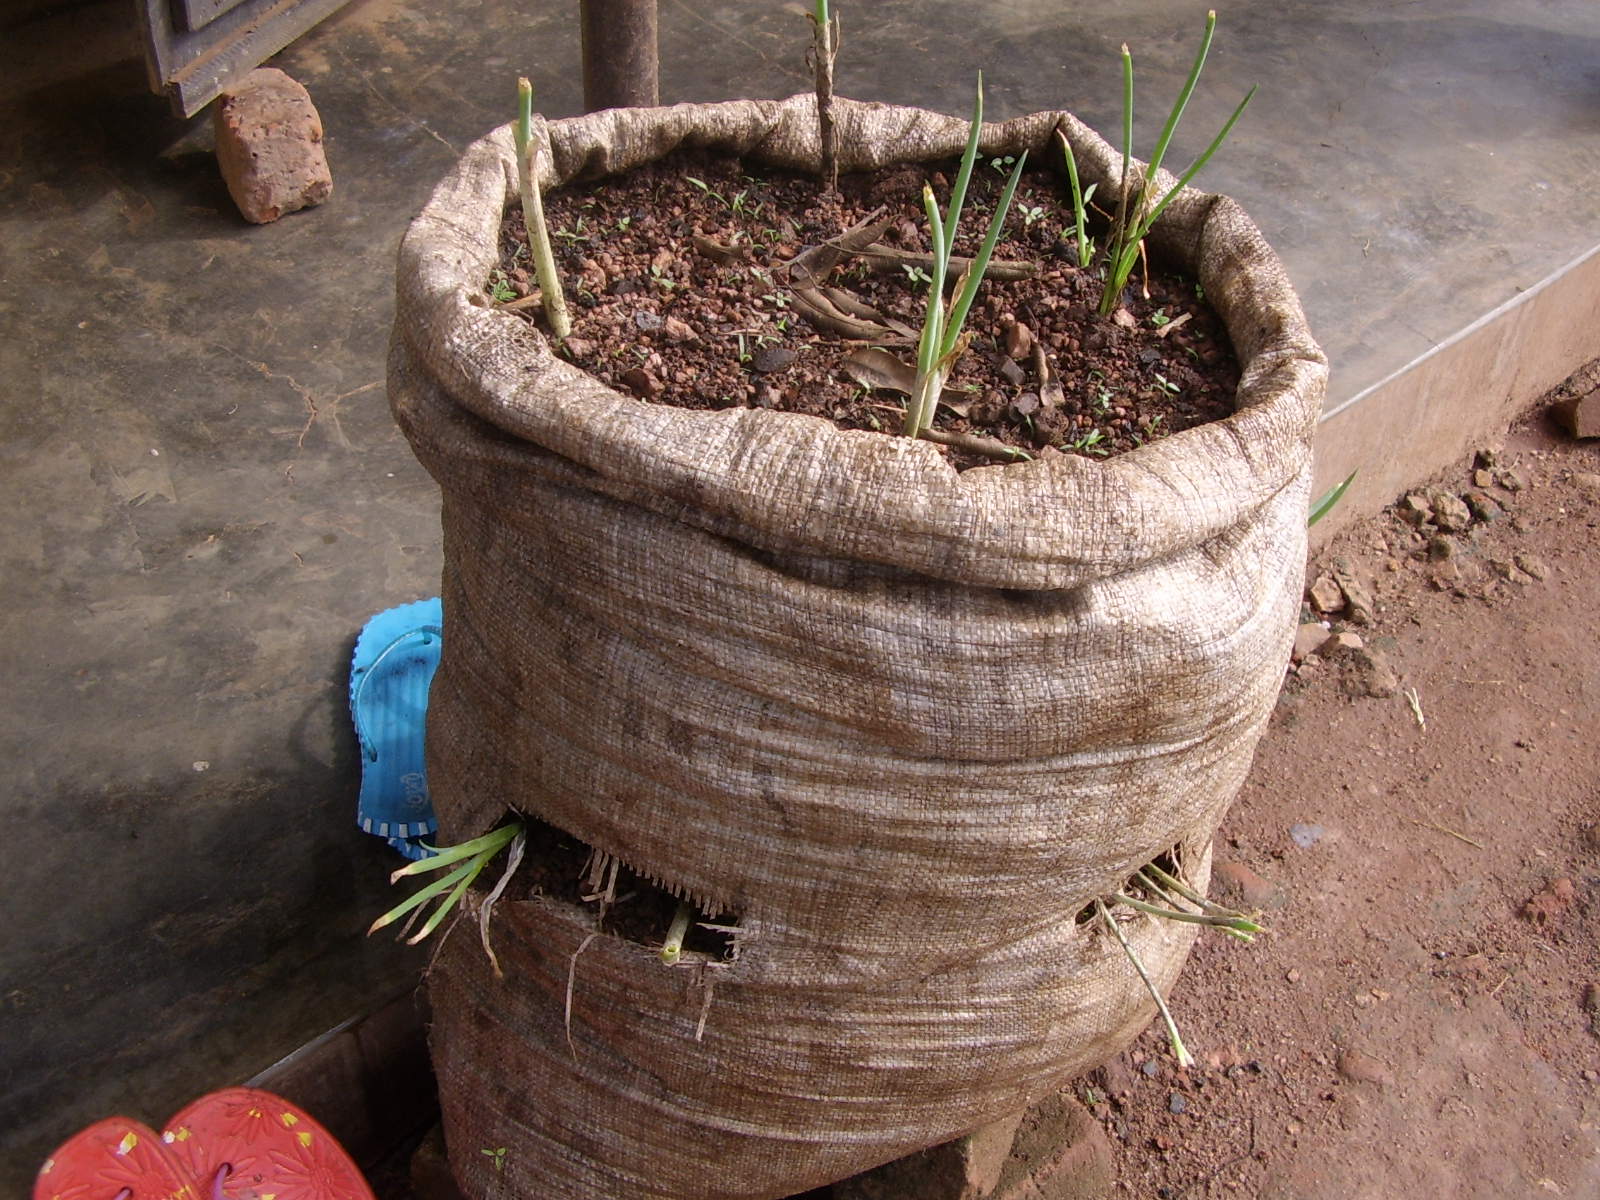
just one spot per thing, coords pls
(209, 497)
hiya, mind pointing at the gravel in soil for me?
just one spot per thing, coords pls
(680, 281)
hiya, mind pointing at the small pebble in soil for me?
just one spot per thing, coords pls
(1176, 1103)
(1151, 1068)
(1306, 835)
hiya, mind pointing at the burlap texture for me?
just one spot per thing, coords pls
(905, 722)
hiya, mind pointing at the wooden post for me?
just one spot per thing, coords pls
(619, 54)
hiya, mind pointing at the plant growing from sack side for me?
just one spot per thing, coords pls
(469, 860)
(1172, 893)
(1137, 213)
(942, 340)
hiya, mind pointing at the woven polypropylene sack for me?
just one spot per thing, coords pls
(904, 723)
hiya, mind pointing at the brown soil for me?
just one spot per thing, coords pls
(1423, 1020)
(679, 286)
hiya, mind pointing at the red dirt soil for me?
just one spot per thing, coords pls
(1423, 1019)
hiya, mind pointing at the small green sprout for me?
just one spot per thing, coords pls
(1090, 443)
(471, 856)
(1138, 213)
(1166, 384)
(500, 287)
(574, 235)
(1080, 204)
(1160, 318)
(916, 274)
(672, 948)
(1325, 502)
(705, 187)
(1032, 215)
(544, 261)
(942, 341)
(499, 1156)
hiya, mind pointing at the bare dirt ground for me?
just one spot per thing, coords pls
(1424, 1019)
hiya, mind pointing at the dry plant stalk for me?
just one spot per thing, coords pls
(824, 49)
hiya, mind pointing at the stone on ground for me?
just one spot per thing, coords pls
(1309, 638)
(269, 146)
(1054, 1151)
(1236, 881)
(1580, 416)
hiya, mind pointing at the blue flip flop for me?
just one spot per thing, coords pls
(395, 658)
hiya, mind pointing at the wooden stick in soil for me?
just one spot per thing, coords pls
(884, 258)
(544, 261)
(973, 444)
(621, 63)
(824, 49)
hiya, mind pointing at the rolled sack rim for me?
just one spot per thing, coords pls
(789, 482)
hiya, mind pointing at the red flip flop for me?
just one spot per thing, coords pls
(244, 1144)
(116, 1159)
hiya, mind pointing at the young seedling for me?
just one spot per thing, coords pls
(471, 856)
(1231, 924)
(1173, 892)
(1161, 879)
(942, 340)
(1179, 1051)
(1080, 204)
(544, 259)
(1136, 214)
(824, 49)
(1325, 502)
(672, 948)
